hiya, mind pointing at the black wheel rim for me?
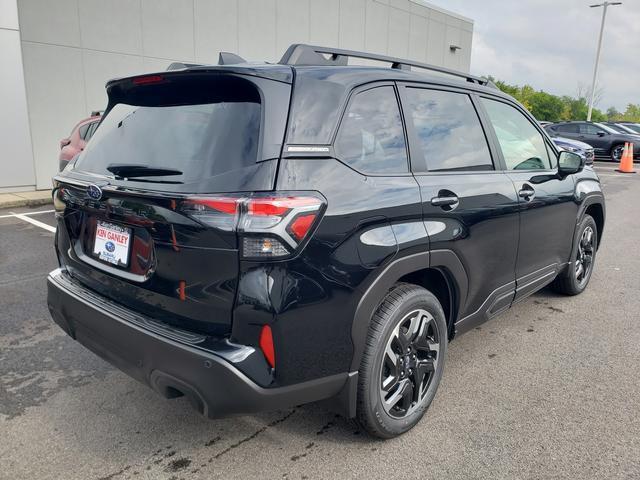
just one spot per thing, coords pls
(617, 152)
(584, 256)
(411, 359)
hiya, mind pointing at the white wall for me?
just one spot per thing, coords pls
(16, 157)
(72, 47)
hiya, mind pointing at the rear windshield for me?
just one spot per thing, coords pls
(199, 139)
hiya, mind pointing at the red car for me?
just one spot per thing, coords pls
(77, 139)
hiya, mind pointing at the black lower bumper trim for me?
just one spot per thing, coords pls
(214, 386)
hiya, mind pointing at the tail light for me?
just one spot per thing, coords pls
(59, 199)
(269, 226)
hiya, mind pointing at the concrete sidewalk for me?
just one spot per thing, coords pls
(25, 199)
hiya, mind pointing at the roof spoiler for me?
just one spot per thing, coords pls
(224, 58)
(181, 65)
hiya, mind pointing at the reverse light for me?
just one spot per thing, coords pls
(266, 345)
(263, 247)
(269, 226)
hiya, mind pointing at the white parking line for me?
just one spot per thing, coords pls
(49, 228)
(26, 213)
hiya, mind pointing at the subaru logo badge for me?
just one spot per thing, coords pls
(94, 192)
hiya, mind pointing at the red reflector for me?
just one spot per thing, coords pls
(301, 225)
(147, 80)
(266, 345)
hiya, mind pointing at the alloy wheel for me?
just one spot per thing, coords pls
(617, 153)
(410, 360)
(584, 256)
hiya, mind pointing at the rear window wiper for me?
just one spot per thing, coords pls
(131, 170)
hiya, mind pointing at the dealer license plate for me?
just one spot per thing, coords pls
(112, 243)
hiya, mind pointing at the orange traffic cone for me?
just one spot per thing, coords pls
(626, 162)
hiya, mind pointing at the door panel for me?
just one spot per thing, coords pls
(594, 136)
(469, 208)
(547, 207)
(482, 230)
(547, 223)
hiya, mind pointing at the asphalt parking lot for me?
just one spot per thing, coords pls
(550, 389)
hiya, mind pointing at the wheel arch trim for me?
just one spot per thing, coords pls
(593, 197)
(376, 291)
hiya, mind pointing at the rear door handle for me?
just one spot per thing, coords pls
(447, 201)
(526, 192)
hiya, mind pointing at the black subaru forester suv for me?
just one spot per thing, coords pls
(257, 236)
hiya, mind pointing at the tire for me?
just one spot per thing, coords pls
(616, 152)
(575, 278)
(407, 312)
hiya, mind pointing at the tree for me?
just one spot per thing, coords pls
(546, 106)
(613, 115)
(552, 108)
(632, 113)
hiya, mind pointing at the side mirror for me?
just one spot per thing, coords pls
(569, 163)
(601, 133)
(64, 142)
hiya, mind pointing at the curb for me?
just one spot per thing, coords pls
(25, 202)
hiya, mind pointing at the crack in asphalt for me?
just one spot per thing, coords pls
(254, 435)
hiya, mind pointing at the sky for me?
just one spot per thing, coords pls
(551, 45)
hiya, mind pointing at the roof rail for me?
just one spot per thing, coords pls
(301, 54)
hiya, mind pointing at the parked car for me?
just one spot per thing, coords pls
(620, 128)
(633, 126)
(258, 236)
(606, 141)
(583, 149)
(77, 139)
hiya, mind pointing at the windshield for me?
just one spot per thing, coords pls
(635, 127)
(608, 128)
(625, 129)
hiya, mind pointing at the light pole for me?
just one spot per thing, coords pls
(595, 68)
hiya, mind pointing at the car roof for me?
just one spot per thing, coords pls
(352, 75)
(333, 63)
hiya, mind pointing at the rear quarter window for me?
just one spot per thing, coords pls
(371, 137)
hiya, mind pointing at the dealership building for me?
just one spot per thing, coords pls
(57, 55)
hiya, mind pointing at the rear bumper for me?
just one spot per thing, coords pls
(213, 385)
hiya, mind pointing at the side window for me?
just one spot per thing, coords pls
(448, 130)
(92, 128)
(589, 129)
(568, 128)
(523, 146)
(371, 137)
(83, 130)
